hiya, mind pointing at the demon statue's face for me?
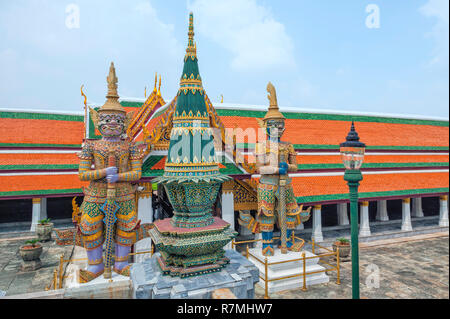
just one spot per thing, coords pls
(275, 128)
(111, 124)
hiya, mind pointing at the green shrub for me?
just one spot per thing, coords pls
(44, 221)
(32, 242)
(343, 240)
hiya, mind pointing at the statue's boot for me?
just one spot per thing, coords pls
(267, 243)
(121, 265)
(95, 265)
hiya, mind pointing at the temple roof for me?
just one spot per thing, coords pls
(405, 156)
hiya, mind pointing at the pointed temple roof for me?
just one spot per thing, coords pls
(191, 153)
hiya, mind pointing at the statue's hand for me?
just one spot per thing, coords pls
(283, 168)
(112, 178)
(111, 170)
(111, 174)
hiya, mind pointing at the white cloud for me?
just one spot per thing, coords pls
(438, 9)
(43, 58)
(246, 29)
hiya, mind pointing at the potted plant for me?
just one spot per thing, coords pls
(344, 247)
(31, 250)
(44, 229)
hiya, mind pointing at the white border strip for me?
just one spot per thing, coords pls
(367, 153)
(249, 107)
(40, 151)
(363, 173)
(39, 173)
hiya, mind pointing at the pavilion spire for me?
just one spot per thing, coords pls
(191, 50)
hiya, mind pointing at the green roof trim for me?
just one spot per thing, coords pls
(92, 127)
(42, 192)
(38, 145)
(42, 116)
(323, 198)
(131, 104)
(333, 117)
(372, 165)
(42, 166)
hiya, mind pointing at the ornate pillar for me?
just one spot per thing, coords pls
(39, 211)
(317, 224)
(382, 213)
(417, 210)
(443, 211)
(145, 214)
(228, 205)
(406, 215)
(364, 227)
(342, 214)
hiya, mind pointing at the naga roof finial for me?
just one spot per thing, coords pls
(159, 86)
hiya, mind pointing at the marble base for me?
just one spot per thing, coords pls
(72, 280)
(72, 272)
(288, 269)
(148, 282)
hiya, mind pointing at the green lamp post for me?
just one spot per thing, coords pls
(352, 152)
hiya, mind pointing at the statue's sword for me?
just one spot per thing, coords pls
(282, 207)
(109, 208)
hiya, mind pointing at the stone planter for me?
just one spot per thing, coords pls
(344, 249)
(30, 253)
(44, 231)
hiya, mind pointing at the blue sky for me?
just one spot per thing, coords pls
(318, 54)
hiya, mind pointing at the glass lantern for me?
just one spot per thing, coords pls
(352, 150)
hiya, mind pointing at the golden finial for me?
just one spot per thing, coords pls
(191, 49)
(221, 98)
(191, 29)
(112, 81)
(273, 112)
(112, 98)
(159, 86)
(145, 92)
(156, 80)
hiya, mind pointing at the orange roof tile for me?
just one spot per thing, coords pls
(40, 131)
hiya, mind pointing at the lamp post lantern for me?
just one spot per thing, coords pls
(352, 153)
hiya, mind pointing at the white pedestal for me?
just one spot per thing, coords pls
(443, 212)
(342, 214)
(228, 211)
(406, 216)
(39, 212)
(317, 224)
(364, 226)
(288, 269)
(382, 213)
(72, 274)
(417, 210)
